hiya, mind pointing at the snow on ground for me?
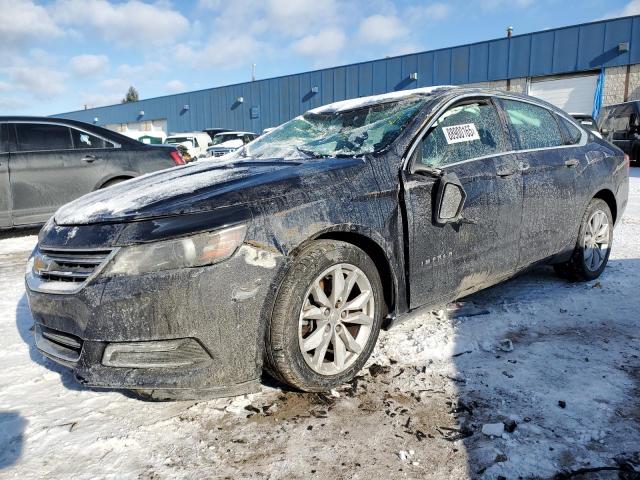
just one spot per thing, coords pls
(557, 363)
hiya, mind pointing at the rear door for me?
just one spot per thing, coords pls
(549, 171)
(5, 192)
(459, 258)
(46, 171)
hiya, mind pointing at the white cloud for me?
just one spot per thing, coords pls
(326, 43)
(24, 21)
(92, 100)
(130, 23)
(4, 87)
(493, 4)
(142, 70)
(175, 86)
(41, 82)
(433, 11)
(381, 29)
(301, 17)
(115, 85)
(89, 65)
(221, 51)
(12, 104)
(631, 8)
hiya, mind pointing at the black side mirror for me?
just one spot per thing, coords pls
(450, 197)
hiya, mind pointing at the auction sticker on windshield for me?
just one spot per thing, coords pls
(466, 132)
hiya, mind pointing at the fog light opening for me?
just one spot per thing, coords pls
(155, 354)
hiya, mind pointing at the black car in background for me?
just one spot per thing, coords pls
(46, 162)
(289, 254)
(620, 125)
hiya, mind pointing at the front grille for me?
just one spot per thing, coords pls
(58, 345)
(65, 271)
(68, 265)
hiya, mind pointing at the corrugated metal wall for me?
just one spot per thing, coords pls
(564, 50)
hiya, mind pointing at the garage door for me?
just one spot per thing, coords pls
(572, 94)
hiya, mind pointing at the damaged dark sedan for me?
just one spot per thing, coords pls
(291, 254)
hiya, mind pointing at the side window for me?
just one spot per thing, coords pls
(82, 140)
(574, 134)
(465, 131)
(621, 122)
(195, 142)
(42, 136)
(533, 126)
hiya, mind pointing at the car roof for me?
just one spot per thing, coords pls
(183, 134)
(436, 93)
(233, 132)
(75, 123)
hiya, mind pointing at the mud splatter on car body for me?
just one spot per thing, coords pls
(377, 201)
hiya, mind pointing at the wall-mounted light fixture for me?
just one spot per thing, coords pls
(185, 107)
(413, 76)
(623, 47)
(95, 119)
(240, 100)
(315, 89)
(141, 113)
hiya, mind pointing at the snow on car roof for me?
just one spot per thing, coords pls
(354, 103)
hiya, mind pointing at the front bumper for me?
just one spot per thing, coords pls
(211, 316)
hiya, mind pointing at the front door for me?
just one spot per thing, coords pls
(46, 171)
(459, 258)
(5, 192)
(549, 175)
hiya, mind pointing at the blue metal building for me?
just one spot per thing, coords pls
(609, 48)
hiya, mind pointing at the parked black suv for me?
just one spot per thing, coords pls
(290, 253)
(47, 162)
(620, 125)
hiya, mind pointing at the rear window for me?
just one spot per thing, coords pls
(84, 140)
(574, 134)
(532, 126)
(32, 137)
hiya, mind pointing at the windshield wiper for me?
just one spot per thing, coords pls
(310, 153)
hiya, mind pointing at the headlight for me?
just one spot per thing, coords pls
(195, 251)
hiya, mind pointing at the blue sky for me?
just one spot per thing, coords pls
(60, 55)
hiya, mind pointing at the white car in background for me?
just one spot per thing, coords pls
(196, 143)
(227, 142)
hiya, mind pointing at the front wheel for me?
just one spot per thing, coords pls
(592, 250)
(327, 317)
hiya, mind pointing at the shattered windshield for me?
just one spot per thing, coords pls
(334, 134)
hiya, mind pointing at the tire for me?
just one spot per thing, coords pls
(587, 263)
(290, 331)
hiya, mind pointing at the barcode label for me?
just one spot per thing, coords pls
(466, 132)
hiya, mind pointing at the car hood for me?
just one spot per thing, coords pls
(204, 186)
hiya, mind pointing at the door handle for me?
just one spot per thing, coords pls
(572, 162)
(89, 158)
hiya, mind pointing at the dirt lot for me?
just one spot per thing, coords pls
(557, 365)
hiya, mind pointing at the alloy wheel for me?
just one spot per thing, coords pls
(336, 319)
(596, 240)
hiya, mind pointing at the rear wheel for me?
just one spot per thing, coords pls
(326, 318)
(592, 250)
